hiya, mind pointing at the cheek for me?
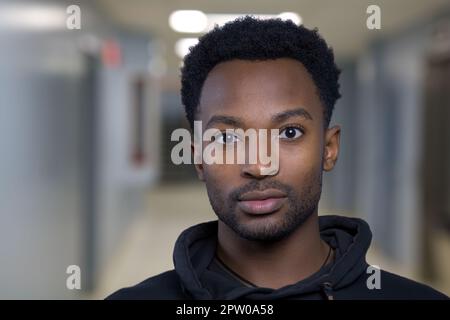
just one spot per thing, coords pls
(221, 177)
(300, 161)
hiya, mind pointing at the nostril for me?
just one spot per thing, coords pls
(254, 173)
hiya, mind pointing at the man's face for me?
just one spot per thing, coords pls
(270, 94)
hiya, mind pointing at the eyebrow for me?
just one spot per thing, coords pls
(276, 118)
(229, 120)
(284, 115)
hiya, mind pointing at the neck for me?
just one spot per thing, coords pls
(274, 265)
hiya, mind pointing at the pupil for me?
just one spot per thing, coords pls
(290, 133)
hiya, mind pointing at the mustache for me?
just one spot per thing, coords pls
(256, 185)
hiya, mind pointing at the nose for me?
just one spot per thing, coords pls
(253, 171)
(254, 168)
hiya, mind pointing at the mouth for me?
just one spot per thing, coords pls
(262, 202)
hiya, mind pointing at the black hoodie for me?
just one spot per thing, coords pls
(195, 276)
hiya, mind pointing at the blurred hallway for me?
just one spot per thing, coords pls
(146, 248)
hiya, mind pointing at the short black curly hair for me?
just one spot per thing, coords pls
(250, 38)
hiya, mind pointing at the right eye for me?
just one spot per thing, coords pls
(226, 138)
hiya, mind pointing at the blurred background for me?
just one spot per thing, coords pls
(86, 116)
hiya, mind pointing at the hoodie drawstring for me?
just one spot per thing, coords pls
(328, 290)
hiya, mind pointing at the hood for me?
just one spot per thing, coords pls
(195, 249)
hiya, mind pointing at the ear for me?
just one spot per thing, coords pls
(198, 167)
(331, 152)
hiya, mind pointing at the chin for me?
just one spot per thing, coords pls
(263, 228)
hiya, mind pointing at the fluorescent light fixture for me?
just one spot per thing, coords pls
(194, 21)
(32, 17)
(190, 21)
(221, 19)
(182, 46)
(294, 17)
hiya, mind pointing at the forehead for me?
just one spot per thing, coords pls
(247, 89)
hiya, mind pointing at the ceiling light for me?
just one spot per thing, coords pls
(32, 17)
(194, 21)
(182, 46)
(189, 21)
(294, 17)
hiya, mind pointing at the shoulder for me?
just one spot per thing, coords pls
(390, 286)
(162, 286)
(403, 288)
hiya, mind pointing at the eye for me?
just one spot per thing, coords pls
(290, 133)
(226, 138)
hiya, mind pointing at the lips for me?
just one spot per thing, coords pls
(262, 202)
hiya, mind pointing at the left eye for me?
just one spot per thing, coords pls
(290, 133)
